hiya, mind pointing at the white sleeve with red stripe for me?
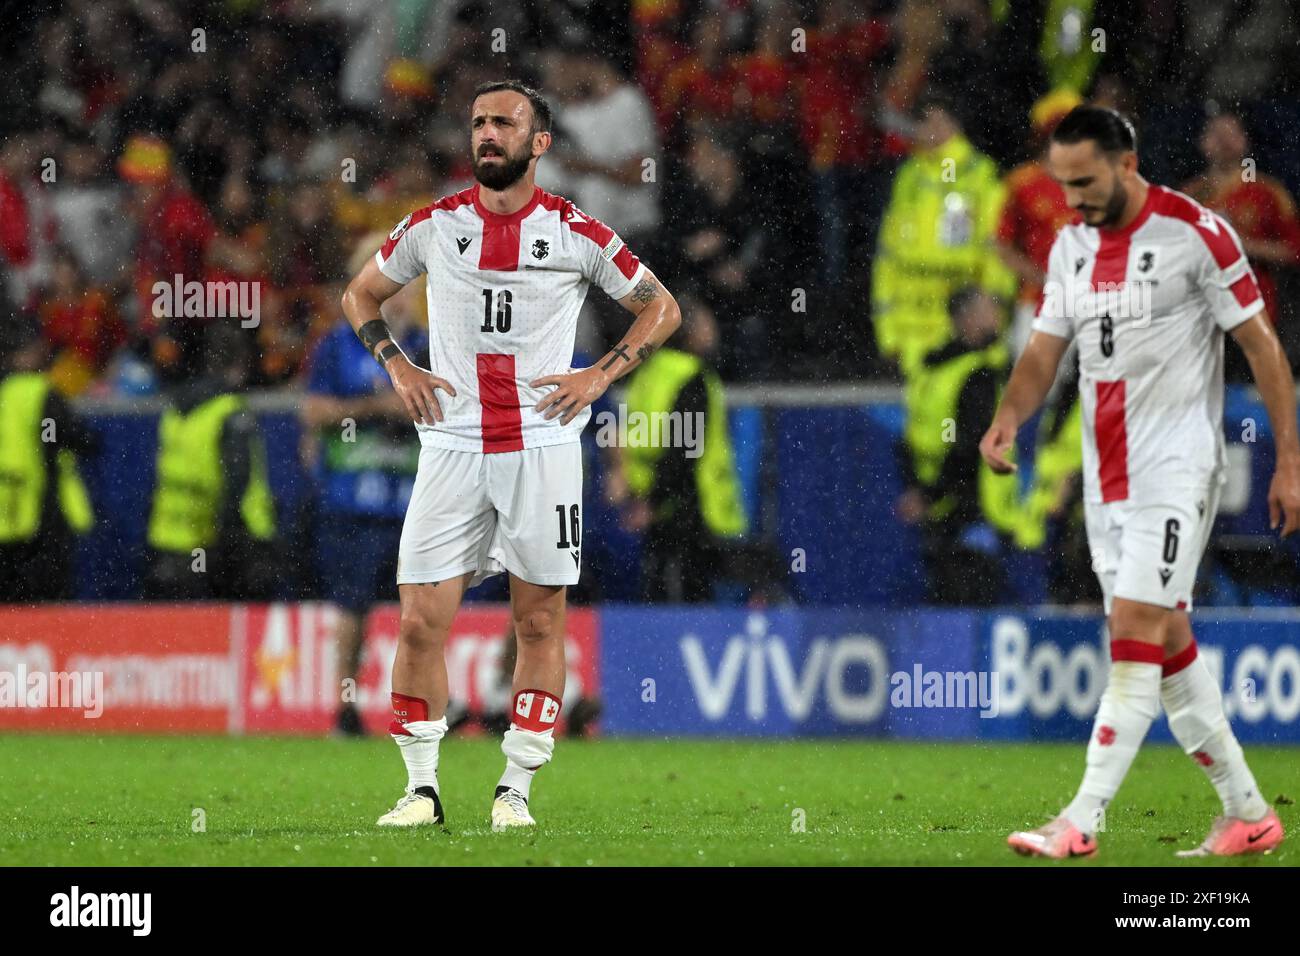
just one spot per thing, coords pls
(1051, 317)
(606, 259)
(1225, 277)
(401, 257)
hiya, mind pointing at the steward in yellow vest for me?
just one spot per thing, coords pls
(965, 511)
(213, 517)
(679, 465)
(43, 501)
(936, 237)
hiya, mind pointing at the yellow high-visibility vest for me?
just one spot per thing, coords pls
(190, 480)
(654, 389)
(1054, 462)
(931, 398)
(23, 468)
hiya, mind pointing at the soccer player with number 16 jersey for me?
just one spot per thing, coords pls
(499, 481)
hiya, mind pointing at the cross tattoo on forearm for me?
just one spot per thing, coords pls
(620, 352)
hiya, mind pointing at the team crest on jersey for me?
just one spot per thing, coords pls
(541, 249)
(1146, 261)
(400, 228)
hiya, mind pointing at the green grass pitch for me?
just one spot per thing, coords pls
(86, 801)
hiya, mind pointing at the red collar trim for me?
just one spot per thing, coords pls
(1143, 215)
(496, 218)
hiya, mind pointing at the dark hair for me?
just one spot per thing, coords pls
(1111, 131)
(961, 299)
(937, 98)
(541, 109)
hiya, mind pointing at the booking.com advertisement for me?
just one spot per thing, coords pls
(918, 675)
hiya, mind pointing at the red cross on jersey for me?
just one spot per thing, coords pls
(1148, 306)
(504, 295)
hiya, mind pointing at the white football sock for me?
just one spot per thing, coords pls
(527, 751)
(419, 747)
(1128, 705)
(1194, 705)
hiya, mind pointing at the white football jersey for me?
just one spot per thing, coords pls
(1149, 305)
(504, 295)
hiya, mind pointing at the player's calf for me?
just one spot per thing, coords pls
(418, 739)
(528, 746)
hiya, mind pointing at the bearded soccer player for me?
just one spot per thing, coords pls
(499, 415)
(1147, 285)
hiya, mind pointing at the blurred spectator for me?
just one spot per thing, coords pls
(212, 525)
(936, 237)
(173, 233)
(965, 511)
(43, 502)
(305, 252)
(687, 496)
(80, 326)
(1034, 212)
(700, 86)
(721, 243)
(605, 175)
(27, 230)
(88, 211)
(408, 183)
(360, 445)
(1258, 207)
(836, 78)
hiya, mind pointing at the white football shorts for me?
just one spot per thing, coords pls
(1149, 551)
(516, 511)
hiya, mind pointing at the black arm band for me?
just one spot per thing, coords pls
(372, 333)
(388, 351)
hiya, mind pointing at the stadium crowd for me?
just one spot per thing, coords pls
(262, 147)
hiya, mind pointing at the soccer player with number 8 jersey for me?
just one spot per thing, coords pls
(1147, 285)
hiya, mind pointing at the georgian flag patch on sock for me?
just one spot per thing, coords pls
(536, 710)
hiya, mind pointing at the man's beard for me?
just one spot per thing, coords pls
(1114, 207)
(504, 174)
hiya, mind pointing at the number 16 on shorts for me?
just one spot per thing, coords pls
(570, 520)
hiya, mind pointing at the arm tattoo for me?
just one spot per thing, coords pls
(644, 352)
(620, 352)
(645, 290)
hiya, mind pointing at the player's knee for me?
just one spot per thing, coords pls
(421, 629)
(536, 626)
(1130, 621)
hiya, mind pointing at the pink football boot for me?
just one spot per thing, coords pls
(1059, 839)
(1232, 836)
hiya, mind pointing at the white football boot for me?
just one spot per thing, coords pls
(509, 810)
(420, 807)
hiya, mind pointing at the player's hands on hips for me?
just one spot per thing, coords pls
(573, 392)
(417, 388)
(1284, 496)
(997, 441)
